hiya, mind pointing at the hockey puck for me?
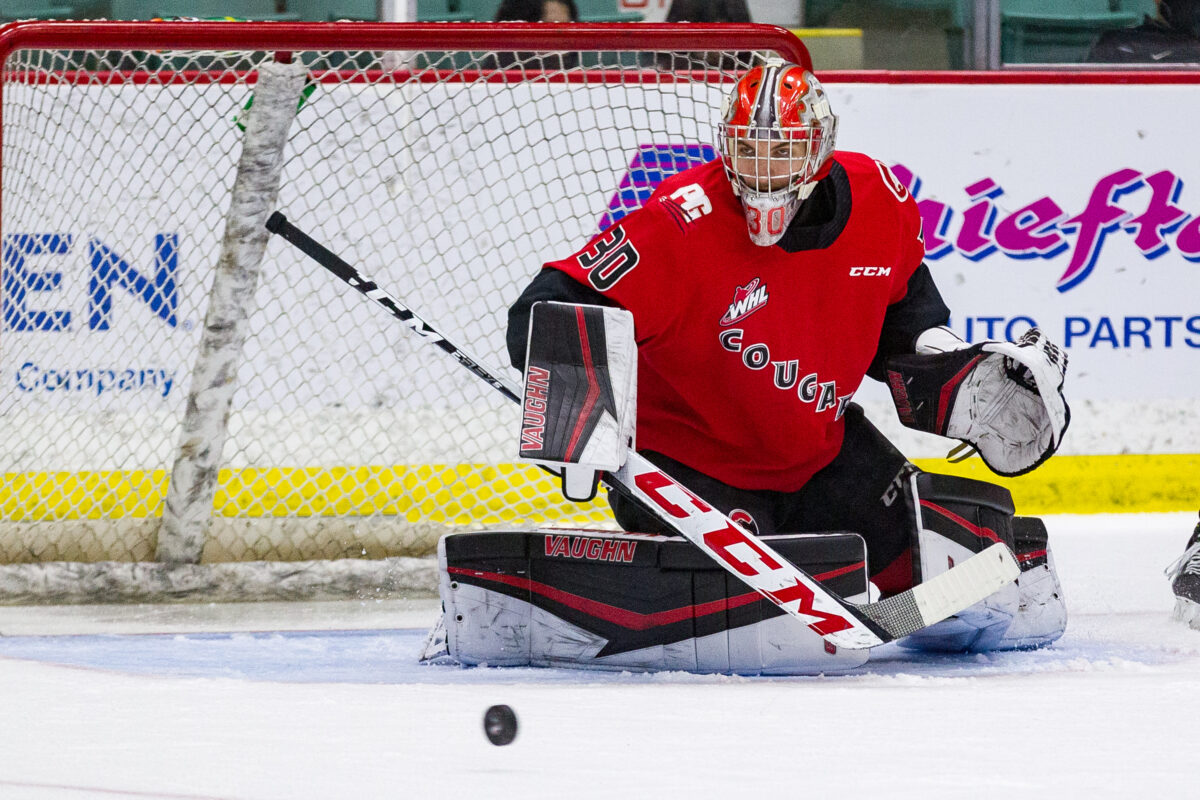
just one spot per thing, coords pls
(500, 725)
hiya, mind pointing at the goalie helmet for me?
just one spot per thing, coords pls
(776, 136)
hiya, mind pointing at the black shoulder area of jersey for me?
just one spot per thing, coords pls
(822, 216)
(549, 284)
(921, 308)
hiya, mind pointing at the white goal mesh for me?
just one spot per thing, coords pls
(446, 174)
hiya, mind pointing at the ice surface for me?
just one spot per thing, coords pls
(326, 701)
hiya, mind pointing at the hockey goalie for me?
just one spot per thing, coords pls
(721, 331)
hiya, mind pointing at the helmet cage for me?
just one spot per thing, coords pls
(776, 138)
(810, 148)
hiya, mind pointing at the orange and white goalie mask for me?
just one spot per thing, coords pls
(776, 138)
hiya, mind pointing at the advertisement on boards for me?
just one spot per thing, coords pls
(1055, 205)
(1068, 207)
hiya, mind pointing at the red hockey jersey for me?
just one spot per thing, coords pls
(747, 354)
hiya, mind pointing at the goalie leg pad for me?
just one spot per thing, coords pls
(603, 600)
(957, 518)
(1041, 616)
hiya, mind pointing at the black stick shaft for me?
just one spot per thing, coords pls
(278, 223)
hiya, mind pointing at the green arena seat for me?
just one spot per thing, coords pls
(440, 11)
(1055, 31)
(332, 10)
(479, 10)
(201, 9)
(1143, 8)
(604, 11)
(16, 9)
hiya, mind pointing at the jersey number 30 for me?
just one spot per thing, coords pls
(608, 259)
(775, 217)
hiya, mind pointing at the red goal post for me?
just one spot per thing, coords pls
(180, 392)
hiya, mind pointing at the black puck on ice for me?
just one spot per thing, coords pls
(500, 725)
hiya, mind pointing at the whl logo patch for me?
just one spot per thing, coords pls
(746, 300)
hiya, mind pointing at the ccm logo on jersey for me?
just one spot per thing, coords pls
(746, 300)
(856, 271)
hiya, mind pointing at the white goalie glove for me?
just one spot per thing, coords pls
(1005, 399)
(1011, 408)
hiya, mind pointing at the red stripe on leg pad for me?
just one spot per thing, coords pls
(982, 533)
(593, 391)
(631, 620)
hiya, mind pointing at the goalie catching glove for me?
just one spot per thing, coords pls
(579, 398)
(1005, 399)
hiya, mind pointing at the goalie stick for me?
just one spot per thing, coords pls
(838, 621)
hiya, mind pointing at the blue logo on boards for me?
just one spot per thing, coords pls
(651, 165)
(107, 270)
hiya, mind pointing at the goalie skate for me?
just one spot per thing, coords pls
(1185, 582)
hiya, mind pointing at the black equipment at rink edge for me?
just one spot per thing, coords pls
(838, 621)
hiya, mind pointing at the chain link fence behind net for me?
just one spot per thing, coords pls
(348, 437)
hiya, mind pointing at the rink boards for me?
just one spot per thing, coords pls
(1093, 237)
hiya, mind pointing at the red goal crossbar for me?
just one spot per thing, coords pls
(401, 36)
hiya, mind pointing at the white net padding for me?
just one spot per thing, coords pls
(447, 175)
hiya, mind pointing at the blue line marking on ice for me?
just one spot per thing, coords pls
(390, 657)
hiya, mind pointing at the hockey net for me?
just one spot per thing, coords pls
(447, 161)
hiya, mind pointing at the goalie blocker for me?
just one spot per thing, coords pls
(578, 402)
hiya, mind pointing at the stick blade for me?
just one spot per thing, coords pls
(947, 594)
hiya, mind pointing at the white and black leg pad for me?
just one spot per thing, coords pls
(580, 392)
(588, 599)
(955, 519)
(1041, 615)
(1005, 399)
